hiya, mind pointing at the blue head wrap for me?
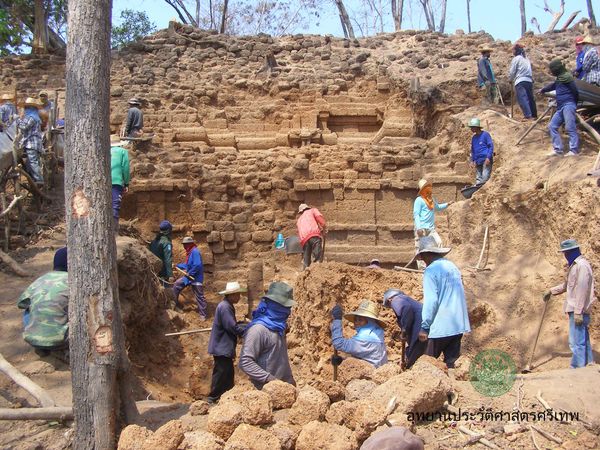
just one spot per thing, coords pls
(271, 314)
(572, 255)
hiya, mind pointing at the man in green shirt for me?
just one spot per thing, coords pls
(119, 170)
(162, 247)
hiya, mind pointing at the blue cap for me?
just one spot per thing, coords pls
(165, 225)
(569, 244)
(60, 260)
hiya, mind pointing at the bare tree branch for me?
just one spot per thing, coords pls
(556, 15)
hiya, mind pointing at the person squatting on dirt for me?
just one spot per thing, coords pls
(579, 287)
(29, 125)
(264, 356)
(311, 224)
(134, 124)
(162, 247)
(521, 74)
(482, 152)
(8, 111)
(408, 315)
(567, 97)
(223, 339)
(120, 175)
(485, 75)
(368, 343)
(45, 303)
(444, 317)
(590, 64)
(194, 276)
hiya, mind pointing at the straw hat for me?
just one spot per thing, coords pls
(233, 287)
(6, 97)
(423, 182)
(43, 94)
(583, 40)
(281, 293)
(303, 207)
(134, 101)
(427, 244)
(485, 49)
(30, 101)
(567, 245)
(187, 240)
(115, 141)
(367, 309)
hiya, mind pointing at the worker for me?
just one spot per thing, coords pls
(368, 343)
(45, 303)
(408, 315)
(579, 73)
(424, 210)
(567, 97)
(45, 104)
(482, 152)
(193, 276)
(29, 126)
(162, 247)
(393, 438)
(311, 227)
(264, 356)
(485, 75)
(134, 124)
(8, 111)
(579, 286)
(590, 66)
(521, 75)
(374, 264)
(444, 316)
(223, 339)
(119, 171)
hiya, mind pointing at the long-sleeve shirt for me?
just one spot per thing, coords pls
(591, 65)
(485, 73)
(372, 352)
(119, 166)
(135, 120)
(482, 147)
(579, 287)
(579, 72)
(444, 305)
(425, 217)
(408, 315)
(225, 330)
(264, 356)
(7, 111)
(31, 131)
(565, 92)
(309, 224)
(162, 247)
(520, 70)
(194, 267)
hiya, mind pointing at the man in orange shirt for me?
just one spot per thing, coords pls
(311, 225)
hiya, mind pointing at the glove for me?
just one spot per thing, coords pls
(337, 312)
(423, 335)
(336, 360)
(547, 296)
(578, 319)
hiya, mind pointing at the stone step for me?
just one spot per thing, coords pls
(353, 254)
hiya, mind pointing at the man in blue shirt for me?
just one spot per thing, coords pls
(486, 77)
(444, 317)
(194, 276)
(482, 151)
(579, 73)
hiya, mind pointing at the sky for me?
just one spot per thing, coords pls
(500, 18)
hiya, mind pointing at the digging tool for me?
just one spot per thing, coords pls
(403, 350)
(512, 102)
(323, 239)
(335, 367)
(534, 124)
(199, 330)
(185, 273)
(528, 368)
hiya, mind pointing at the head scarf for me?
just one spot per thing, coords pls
(371, 332)
(560, 72)
(188, 249)
(572, 255)
(272, 315)
(60, 260)
(33, 112)
(518, 50)
(426, 193)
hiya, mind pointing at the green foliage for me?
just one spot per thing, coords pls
(134, 25)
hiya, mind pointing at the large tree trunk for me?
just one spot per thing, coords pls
(428, 14)
(443, 16)
(40, 28)
(469, 15)
(591, 13)
(523, 17)
(224, 16)
(397, 6)
(96, 339)
(345, 19)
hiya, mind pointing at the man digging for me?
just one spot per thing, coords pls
(193, 271)
(311, 225)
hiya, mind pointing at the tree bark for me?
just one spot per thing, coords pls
(523, 17)
(428, 14)
(40, 28)
(569, 20)
(443, 16)
(591, 13)
(556, 15)
(224, 16)
(345, 19)
(51, 413)
(96, 338)
(469, 14)
(397, 9)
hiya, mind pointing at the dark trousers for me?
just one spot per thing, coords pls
(222, 377)
(449, 346)
(414, 352)
(526, 99)
(312, 250)
(198, 291)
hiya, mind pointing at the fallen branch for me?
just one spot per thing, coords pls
(35, 390)
(555, 15)
(535, 444)
(32, 187)
(569, 20)
(547, 435)
(544, 403)
(199, 330)
(60, 413)
(480, 437)
(13, 265)
(594, 134)
(11, 205)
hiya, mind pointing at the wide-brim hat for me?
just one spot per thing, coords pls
(583, 40)
(303, 207)
(233, 287)
(567, 245)
(427, 244)
(423, 182)
(43, 93)
(115, 141)
(187, 240)
(375, 261)
(6, 97)
(30, 101)
(367, 309)
(281, 293)
(475, 123)
(134, 101)
(485, 49)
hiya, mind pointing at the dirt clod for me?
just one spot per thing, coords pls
(249, 437)
(167, 437)
(325, 436)
(283, 395)
(310, 404)
(133, 437)
(201, 440)
(224, 418)
(257, 407)
(359, 389)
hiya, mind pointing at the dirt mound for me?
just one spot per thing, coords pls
(318, 289)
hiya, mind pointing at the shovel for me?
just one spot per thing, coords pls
(528, 368)
(403, 349)
(335, 367)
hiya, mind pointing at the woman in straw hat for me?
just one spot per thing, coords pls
(368, 343)
(223, 339)
(29, 126)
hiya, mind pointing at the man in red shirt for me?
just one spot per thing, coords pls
(311, 225)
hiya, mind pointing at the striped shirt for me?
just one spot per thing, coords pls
(31, 132)
(591, 66)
